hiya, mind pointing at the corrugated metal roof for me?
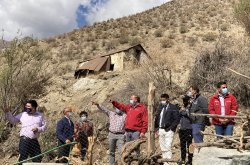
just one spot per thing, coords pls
(117, 51)
(95, 64)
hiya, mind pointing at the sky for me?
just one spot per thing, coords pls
(45, 18)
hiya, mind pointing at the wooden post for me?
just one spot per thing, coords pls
(170, 79)
(151, 125)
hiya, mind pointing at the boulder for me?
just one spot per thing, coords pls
(220, 156)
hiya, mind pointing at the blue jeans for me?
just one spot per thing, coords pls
(132, 135)
(196, 131)
(226, 130)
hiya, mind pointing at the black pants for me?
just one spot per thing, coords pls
(63, 152)
(185, 140)
(83, 140)
(29, 147)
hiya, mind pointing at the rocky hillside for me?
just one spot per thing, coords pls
(175, 32)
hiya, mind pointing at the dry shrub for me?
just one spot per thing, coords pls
(192, 41)
(124, 38)
(210, 37)
(158, 33)
(183, 29)
(111, 45)
(135, 41)
(50, 40)
(154, 70)
(171, 36)
(225, 26)
(23, 74)
(90, 37)
(211, 67)
(134, 32)
(166, 43)
(242, 13)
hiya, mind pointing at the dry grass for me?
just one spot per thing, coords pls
(211, 68)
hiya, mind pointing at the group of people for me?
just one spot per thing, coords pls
(129, 122)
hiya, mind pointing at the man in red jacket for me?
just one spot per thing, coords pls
(223, 103)
(136, 122)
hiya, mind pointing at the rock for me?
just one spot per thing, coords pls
(241, 160)
(220, 156)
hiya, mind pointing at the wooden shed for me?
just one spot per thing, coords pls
(124, 59)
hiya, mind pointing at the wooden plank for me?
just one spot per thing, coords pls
(220, 116)
(151, 126)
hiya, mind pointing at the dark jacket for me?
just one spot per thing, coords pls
(199, 105)
(170, 118)
(64, 130)
(185, 121)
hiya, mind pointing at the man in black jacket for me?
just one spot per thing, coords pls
(199, 105)
(166, 121)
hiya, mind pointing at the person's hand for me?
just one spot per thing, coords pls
(35, 130)
(182, 109)
(223, 121)
(6, 109)
(142, 135)
(67, 141)
(156, 134)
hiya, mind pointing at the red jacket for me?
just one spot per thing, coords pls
(231, 107)
(137, 117)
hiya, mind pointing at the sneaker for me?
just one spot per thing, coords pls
(180, 162)
(188, 163)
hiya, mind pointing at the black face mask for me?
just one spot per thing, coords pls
(28, 110)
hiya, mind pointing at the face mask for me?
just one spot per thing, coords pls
(70, 115)
(83, 118)
(118, 111)
(163, 102)
(132, 102)
(28, 110)
(224, 91)
(189, 93)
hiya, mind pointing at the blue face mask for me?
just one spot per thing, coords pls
(28, 110)
(118, 111)
(224, 91)
(70, 115)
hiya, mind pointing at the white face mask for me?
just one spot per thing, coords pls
(132, 102)
(189, 93)
(163, 102)
(83, 118)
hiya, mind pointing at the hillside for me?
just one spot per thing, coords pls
(175, 30)
(173, 34)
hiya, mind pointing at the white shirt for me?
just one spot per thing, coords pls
(222, 104)
(28, 122)
(161, 115)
